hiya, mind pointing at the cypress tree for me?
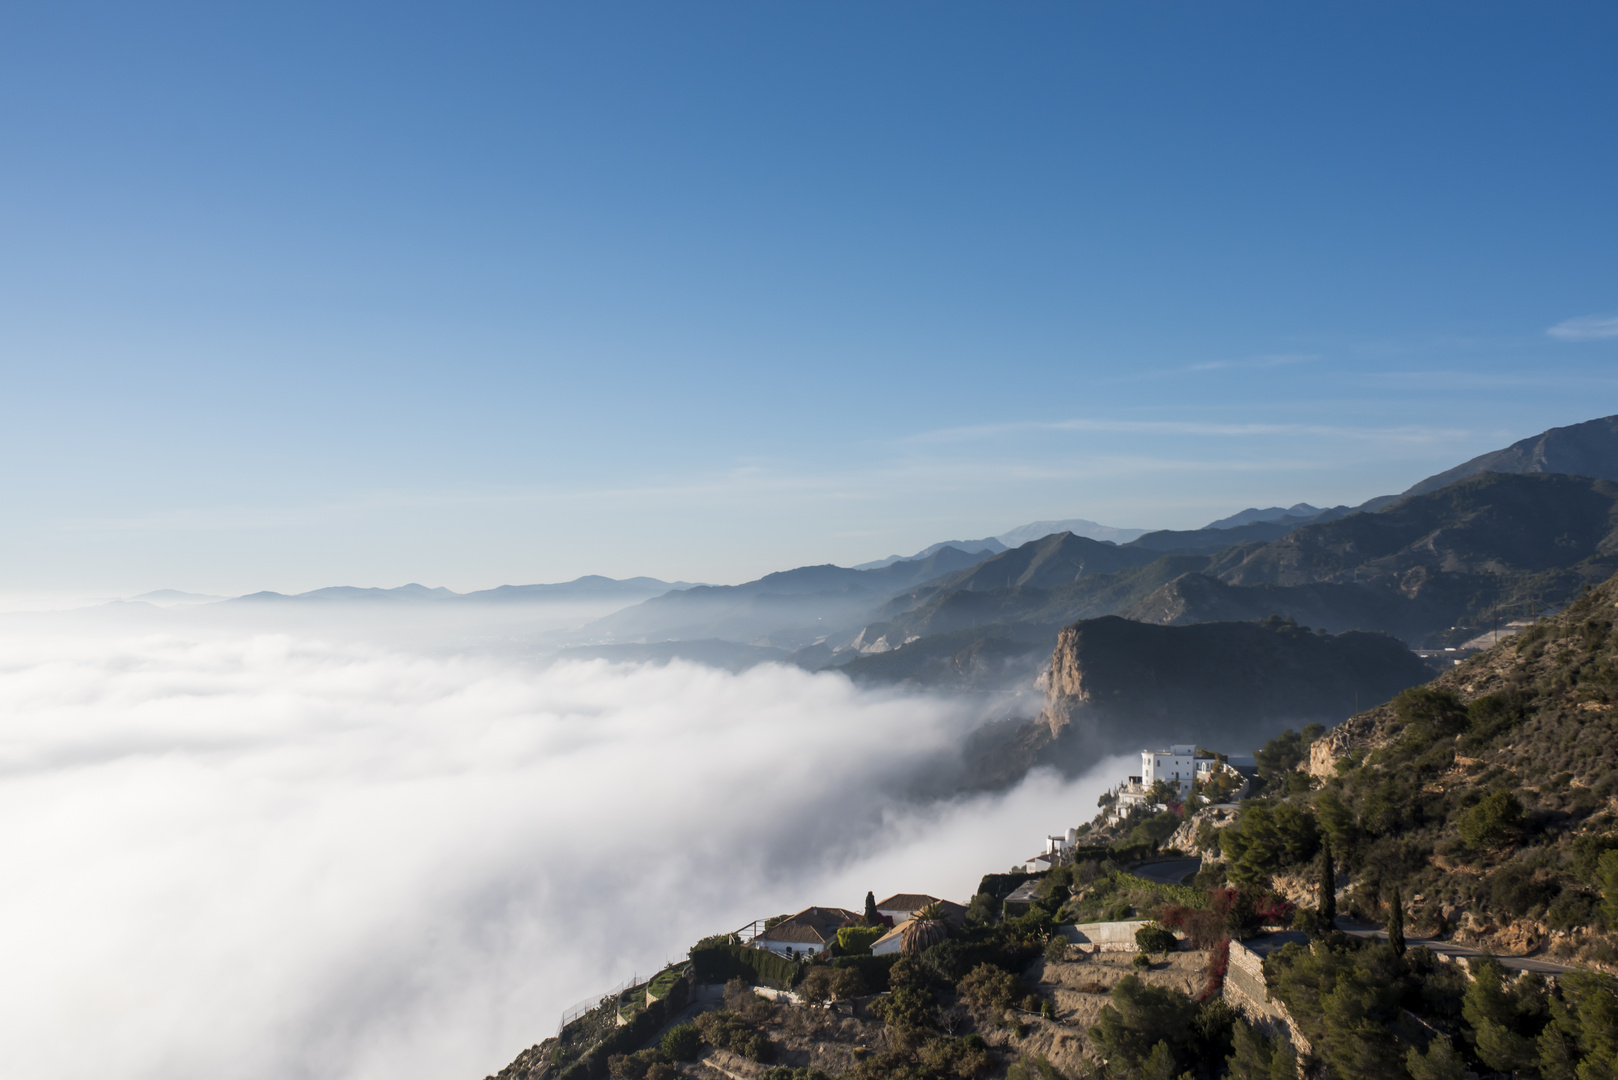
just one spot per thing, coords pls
(1396, 922)
(872, 917)
(1328, 886)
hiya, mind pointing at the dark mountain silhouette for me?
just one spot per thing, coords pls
(1413, 570)
(1218, 537)
(1587, 449)
(1198, 598)
(1047, 563)
(1302, 511)
(1490, 539)
(1115, 685)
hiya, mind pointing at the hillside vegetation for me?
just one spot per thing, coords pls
(1488, 797)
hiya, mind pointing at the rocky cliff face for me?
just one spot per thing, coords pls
(1116, 684)
(1065, 690)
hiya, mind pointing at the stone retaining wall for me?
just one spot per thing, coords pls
(1246, 992)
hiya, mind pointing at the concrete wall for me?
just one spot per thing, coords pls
(1107, 936)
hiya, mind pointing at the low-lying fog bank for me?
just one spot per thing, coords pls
(271, 856)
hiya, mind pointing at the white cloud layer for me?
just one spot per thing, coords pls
(261, 856)
(1586, 328)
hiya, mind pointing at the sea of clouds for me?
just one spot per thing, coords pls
(270, 855)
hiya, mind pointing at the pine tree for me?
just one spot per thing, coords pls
(1396, 922)
(872, 916)
(1328, 886)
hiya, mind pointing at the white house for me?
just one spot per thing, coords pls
(808, 933)
(890, 942)
(1176, 766)
(954, 914)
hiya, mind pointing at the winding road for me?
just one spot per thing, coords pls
(1177, 871)
(1169, 871)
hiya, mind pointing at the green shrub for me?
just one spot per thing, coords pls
(815, 986)
(681, 1042)
(1155, 939)
(1145, 1029)
(857, 940)
(873, 970)
(728, 1031)
(1154, 830)
(1494, 821)
(846, 983)
(1268, 837)
(721, 963)
(1607, 881)
(990, 987)
(910, 1014)
(1430, 713)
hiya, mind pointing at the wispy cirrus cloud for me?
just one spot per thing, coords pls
(1407, 433)
(1586, 328)
(1274, 360)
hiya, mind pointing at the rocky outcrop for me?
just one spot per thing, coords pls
(1215, 817)
(1117, 684)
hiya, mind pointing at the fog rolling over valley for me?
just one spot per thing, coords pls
(276, 855)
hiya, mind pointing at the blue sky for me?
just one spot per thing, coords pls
(470, 294)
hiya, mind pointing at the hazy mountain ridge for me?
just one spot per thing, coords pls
(1413, 570)
(1022, 534)
(590, 586)
(1273, 513)
(789, 608)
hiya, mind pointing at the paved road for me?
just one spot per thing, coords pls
(1169, 871)
(1176, 871)
(1449, 948)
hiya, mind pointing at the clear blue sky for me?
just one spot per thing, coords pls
(482, 293)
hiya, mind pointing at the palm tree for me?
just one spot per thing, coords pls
(925, 929)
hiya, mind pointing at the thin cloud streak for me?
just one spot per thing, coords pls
(1483, 380)
(1586, 328)
(868, 485)
(1271, 361)
(1408, 433)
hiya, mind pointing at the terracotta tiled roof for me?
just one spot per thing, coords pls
(906, 901)
(811, 926)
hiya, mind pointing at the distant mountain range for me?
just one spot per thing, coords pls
(1513, 533)
(1274, 513)
(993, 545)
(589, 587)
(1508, 533)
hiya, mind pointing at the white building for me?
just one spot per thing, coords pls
(1178, 766)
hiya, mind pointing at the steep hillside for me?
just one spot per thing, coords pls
(1489, 798)
(1433, 568)
(1198, 598)
(1587, 449)
(1550, 532)
(1046, 563)
(1218, 537)
(1486, 544)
